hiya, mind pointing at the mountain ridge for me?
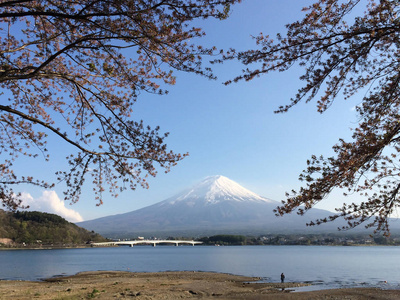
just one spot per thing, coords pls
(30, 227)
(215, 205)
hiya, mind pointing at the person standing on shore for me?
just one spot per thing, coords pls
(282, 278)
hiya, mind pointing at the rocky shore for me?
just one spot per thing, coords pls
(172, 285)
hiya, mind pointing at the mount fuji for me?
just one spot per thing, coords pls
(215, 205)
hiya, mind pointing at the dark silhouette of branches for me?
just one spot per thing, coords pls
(86, 62)
(342, 55)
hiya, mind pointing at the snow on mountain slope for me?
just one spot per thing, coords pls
(214, 189)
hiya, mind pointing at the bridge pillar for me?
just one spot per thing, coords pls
(176, 244)
(154, 244)
(130, 245)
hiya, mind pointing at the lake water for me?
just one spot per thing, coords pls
(323, 266)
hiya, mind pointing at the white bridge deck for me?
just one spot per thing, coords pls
(148, 242)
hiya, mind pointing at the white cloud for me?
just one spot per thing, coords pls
(50, 202)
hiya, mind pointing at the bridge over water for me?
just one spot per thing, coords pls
(148, 242)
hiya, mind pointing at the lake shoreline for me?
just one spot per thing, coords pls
(172, 285)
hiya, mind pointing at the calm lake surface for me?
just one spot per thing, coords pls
(323, 266)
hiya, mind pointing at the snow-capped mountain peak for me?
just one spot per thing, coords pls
(216, 205)
(214, 189)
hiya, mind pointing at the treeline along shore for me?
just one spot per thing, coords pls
(296, 239)
(23, 229)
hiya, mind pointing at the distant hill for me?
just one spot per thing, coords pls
(217, 205)
(37, 228)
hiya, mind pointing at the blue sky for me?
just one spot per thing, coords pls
(227, 130)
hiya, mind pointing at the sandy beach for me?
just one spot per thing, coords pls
(173, 285)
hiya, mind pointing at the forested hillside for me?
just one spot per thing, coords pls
(37, 228)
